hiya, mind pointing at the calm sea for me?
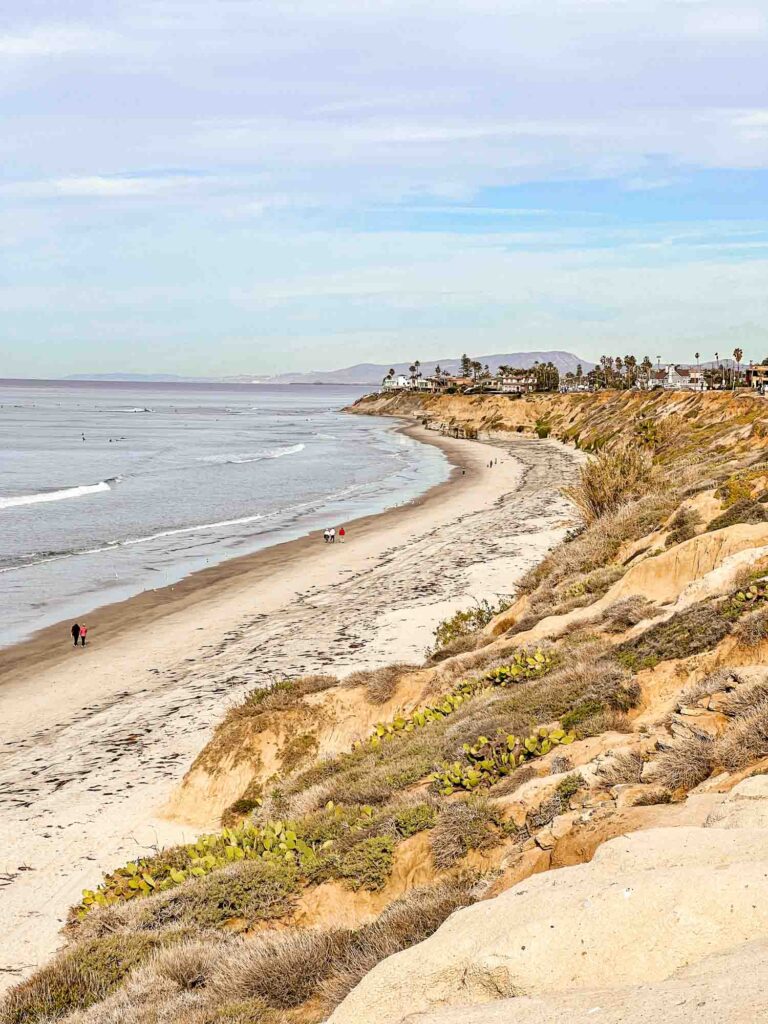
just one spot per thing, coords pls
(108, 489)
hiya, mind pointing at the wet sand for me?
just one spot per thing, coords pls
(95, 739)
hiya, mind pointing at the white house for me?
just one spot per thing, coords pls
(396, 383)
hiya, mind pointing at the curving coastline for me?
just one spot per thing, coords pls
(88, 761)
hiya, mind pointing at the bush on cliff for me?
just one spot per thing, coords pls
(610, 479)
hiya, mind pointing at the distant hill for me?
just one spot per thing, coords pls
(372, 373)
(138, 377)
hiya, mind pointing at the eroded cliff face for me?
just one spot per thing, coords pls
(589, 420)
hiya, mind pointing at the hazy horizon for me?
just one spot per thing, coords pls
(238, 188)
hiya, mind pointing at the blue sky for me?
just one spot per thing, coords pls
(236, 186)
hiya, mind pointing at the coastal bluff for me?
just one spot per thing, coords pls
(558, 811)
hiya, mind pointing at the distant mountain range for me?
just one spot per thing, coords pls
(360, 373)
(372, 373)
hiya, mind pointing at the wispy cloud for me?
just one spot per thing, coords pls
(52, 40)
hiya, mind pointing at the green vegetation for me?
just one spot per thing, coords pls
(696, 629)
(275, 842)
(81, 976)
(683, 526)
(369, 863)
(742, 511)
(488, 760)
(570, 786)
(523, 666)
(451, 635)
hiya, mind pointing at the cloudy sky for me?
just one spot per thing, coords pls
(226, 186)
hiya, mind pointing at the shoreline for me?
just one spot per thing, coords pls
(47, 645)
(95, 742)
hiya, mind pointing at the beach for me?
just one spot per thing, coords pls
(95, 740)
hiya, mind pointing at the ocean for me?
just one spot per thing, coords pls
(108, 489)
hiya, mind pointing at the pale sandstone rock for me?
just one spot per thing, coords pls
(745, 807)
(646, 906)
(727, 989)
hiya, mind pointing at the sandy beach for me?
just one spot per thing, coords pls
(95, 739)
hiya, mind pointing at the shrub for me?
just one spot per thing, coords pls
(752, 628)
(413, 818)
(686, 763)
(627, 612)
(380, 683)
(79, 977)
(368, 864)
(623, 768)
(251, 890)
(471, 824)
(652, 797)
(683, 526)
(281, 970)
(745, 741)
(742, 511)
(698, 628)
(609, 480)
(570, 785)
(404, 923)
(466, 622)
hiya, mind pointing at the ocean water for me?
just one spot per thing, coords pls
(109, 489)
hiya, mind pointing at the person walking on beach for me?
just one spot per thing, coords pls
(342, 534)
(83, 633)
(332, 534)
(75, 631)
(326, 535)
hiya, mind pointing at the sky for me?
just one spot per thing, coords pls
(214, 187)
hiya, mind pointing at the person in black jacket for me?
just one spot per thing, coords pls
(75, 632)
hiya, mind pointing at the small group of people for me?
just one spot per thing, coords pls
(329, 534)
(79, 632)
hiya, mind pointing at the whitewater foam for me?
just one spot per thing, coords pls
(265, 453)
(20, 500)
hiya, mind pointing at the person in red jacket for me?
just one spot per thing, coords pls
(342, 534)
(83, 633)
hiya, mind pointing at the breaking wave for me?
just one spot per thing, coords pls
(265, 453)
(67, 492)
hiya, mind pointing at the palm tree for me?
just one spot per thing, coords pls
(737, 355)
(631, 364)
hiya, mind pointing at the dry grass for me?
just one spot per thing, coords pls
(614, 477)
(281, 970)
(380, 683)
(82, 975)
(721, 679)
(743, 511)
(686, 763)
(752, 629)
(622, 769)
(469, 824)
(745, 741)
(747, 699)
(280, 695)
(403, 924)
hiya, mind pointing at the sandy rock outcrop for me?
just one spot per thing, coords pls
(648, 906)
(709, 992)
(701, 567)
